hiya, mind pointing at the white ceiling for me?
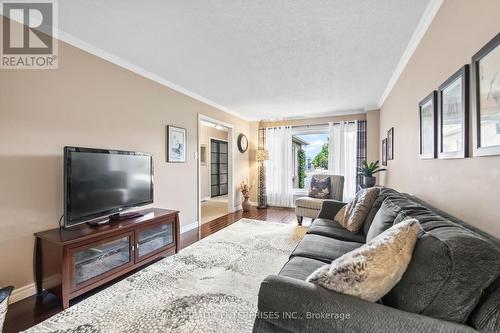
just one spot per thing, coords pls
(261, 59)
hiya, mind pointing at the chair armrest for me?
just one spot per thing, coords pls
(330, 208)
(292, 305)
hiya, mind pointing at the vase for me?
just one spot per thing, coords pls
(369, 181)
(246, 204)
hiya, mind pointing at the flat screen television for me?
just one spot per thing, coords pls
(99, 183)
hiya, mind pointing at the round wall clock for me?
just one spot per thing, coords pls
(242, 143)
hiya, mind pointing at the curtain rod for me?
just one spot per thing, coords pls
(313, 125)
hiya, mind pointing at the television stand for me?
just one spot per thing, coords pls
(124, 216)
(70, 262)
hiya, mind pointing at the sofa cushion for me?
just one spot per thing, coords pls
(486, 316)
(352, 215)
(450, 269)
(330, 228)
(372, 270)
(300, 267)
(311, 203)
(320, 188)
(384, 219)
(323, 248)
(384, 192)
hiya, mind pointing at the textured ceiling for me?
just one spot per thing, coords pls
(262, 59)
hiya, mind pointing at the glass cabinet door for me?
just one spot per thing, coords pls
(100, 259)
(153, 239)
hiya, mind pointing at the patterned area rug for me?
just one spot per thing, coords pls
(211, 286)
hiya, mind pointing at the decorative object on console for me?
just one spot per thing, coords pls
(320, 188)
(453, 115)
(486, 95)
(4, 303)
(245, 191)
(262, 156)
(372, 270)
(390, 144)
(242, 143)
(352, 215)
(427, 114)
(384, 152)
(176, 144)
(367, 170)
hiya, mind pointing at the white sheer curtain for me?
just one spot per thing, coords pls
(279, 166)
(342, 154)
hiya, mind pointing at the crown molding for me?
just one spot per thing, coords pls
(422, 26)
(78, 43)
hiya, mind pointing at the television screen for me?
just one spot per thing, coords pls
(103, 182)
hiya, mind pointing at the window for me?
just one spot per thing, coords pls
(310, 155)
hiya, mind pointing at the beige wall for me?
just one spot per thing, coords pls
(92, 103)
(467, 188)
(206, 134)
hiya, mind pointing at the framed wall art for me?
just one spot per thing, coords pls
(453, 115)
(486, 99)
(176, 144)
(390, 144)
(384, 152)
(427, 114)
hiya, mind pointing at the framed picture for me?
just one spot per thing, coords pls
(427, 114)
(453, 115)
(486, 103)
(176, 144)
(390, 144)
(384, 152)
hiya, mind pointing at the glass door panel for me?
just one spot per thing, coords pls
(155, 238)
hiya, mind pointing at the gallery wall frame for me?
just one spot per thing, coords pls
(384, 152)
(453, 115)
(176, 144)
(390, 144)
(427, 114)
(486, 99)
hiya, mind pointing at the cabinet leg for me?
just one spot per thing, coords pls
(38, 266)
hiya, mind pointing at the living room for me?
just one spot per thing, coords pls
(246, 166)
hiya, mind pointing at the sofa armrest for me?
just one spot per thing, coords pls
(292, 305)
(330, 208)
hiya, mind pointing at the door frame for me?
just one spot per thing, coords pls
(230, 156)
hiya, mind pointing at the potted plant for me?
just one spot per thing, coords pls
(245, 191)
(367, 171)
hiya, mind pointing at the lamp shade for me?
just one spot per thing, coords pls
(262, 155)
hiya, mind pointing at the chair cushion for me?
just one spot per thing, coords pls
(311, 203)
(352, 215)
(320, 188)
(300, 267)
(323, 248)
(330, 228)
(384, 219)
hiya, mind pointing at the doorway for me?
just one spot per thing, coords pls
(214, 169)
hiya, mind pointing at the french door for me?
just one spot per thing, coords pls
(218, 167)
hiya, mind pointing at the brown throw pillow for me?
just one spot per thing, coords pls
(352, 215)
(320, 188)
(372, 270)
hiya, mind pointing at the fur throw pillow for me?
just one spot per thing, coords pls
(372, 270)
(352, 215)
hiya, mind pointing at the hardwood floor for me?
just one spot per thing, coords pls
(33, 310)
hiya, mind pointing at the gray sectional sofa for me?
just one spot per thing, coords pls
(451, 285)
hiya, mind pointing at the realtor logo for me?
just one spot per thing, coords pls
(28, 40)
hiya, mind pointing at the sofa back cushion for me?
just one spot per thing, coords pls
(450, 269)
(384, 219)
(384, 193)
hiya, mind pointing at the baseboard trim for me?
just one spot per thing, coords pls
(23, 292)
(188, 227)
